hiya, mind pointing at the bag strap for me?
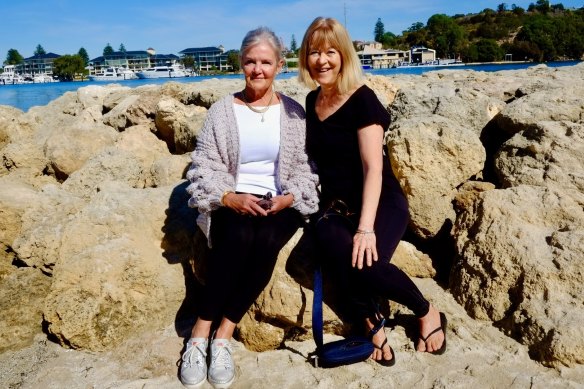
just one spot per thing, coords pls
(317, 309)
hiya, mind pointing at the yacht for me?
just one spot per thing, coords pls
(114, 74)
(172, 71)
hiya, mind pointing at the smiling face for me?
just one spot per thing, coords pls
(324, 64)
(260, 65)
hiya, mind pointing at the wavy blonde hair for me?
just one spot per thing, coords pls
(321, 34)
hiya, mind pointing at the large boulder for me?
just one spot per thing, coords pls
(48, 212)
(179, 124)
(70, 147)
(519, 265)
(460, 102)
(22, 298)
(557, 104)
(544, 154)
(111, 281)
(16, 198)
(431, 156)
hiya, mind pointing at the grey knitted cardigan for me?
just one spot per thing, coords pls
(215, 165)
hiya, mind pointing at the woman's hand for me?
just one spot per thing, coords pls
(364, 249)
(280, 202)
(244, 204)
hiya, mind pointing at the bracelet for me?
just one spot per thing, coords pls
(223, 196)
(365, 231)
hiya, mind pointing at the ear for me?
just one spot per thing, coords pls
(280, 65)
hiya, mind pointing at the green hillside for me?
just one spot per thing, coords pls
(543, 32)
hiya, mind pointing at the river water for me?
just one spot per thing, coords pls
(25, 96)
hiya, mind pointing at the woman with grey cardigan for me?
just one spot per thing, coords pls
(253, 186)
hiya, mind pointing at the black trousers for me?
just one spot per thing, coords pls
(360, 289)
(242, 259)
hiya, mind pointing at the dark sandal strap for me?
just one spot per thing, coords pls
(430, 334)
(382, 344)
(376, 329)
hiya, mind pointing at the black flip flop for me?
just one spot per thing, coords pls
(374, 330)
(443, 324)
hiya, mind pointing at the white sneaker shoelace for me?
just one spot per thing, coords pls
(221, 356)
(195, 355)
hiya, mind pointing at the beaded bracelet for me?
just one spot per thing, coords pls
(223, 196)
(365, 231)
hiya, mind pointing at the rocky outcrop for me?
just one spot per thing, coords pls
(93, 210)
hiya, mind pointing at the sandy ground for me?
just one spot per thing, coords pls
(478, 356)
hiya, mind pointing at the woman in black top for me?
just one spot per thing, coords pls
(345, 124)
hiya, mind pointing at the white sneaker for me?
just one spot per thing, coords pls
(222, 367)
(193, 369)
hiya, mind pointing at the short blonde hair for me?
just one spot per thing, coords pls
(328, 32)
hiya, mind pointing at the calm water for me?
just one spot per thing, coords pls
(29, 95)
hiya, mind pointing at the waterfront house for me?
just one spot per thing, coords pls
(373, 57)
(133, 60)
(422, 55)
(38, 64)
(207, 58)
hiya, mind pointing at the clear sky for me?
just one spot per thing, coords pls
(169, 26)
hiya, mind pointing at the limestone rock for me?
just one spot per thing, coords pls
(43, 225)
(110, 165)
(8, 116)
(545, 154)
(517, 266)
(469, 107)
(566, 104)
(111, 281)
(70, 147)
(179, 124)
(431, 156)
(412, 261)
(22, 297)
(169, 170)
(15, 199)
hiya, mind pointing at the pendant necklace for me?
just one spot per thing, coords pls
(260, 111)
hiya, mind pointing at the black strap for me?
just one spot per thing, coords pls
(317, 309)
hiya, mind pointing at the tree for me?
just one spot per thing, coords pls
(83, 54)
(488, 51)
(502, 8)
(108, 50)
(378, 31)
(13, 57)
(188, 62)
(542, 6)
(122, 48)
(39, 50)
(67, 66)
(415, 27)
(445, 36)
(293, 44)
(233, 60)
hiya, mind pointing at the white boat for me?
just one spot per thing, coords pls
(174, 71)
(114, 74)
(435, 63)
(42, 78)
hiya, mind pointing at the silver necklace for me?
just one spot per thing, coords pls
(256, 110)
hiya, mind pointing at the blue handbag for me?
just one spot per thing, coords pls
(341, 352)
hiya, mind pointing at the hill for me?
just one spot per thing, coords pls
(543, 32)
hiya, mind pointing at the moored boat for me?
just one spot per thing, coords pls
(173, 71)
(114, 74)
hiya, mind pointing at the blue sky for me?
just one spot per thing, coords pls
(169, 26)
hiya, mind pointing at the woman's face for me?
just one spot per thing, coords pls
(324, 65)
(260, 65)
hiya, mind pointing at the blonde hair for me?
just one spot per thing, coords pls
(328, 32)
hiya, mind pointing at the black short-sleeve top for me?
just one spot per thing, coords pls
(334, 147)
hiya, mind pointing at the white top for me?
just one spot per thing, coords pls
(259, 148)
